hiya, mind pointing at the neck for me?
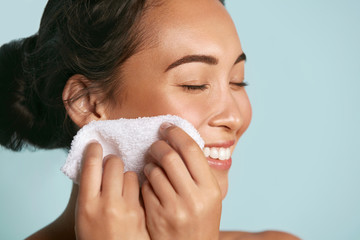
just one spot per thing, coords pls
(65, 223)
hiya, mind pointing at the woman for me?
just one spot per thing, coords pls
(99, 60)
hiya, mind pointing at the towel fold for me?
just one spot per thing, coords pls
(129, 139)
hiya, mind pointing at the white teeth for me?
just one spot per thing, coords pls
(217, 153)
(222, 154)
(228, 153)
(214, 153)
(207, 152)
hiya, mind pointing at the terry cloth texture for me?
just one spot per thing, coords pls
(129, 139)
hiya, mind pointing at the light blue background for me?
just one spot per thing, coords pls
(296, 169)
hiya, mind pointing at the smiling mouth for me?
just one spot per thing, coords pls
(217, 153)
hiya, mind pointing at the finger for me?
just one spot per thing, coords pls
(165, 156)
(150, 199)
(112, 183)
(131, 188)
(91, 171)
(159, 183)
(189, 151)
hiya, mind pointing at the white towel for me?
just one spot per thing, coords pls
(129, 139)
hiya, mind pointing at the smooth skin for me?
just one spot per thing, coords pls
(113, 196)
(183, 194)
(182, 197)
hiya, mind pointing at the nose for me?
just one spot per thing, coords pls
(227, 114)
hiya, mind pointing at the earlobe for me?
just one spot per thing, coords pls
(81, 105)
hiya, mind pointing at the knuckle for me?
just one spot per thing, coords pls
(169, 158)
(155, 172)
(191, 146)
(91, 161)
(198, 204)
(133, 215)
(178, 217)
(111, 212)
(181, 218)
(198, 208)
(85, 211)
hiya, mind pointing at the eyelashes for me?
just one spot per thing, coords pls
(206, 86)
(195, 87)
(241, 84)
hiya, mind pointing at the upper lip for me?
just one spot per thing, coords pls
(225, 144)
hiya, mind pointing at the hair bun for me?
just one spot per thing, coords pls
(16, 121)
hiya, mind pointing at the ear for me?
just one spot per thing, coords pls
(81, 105)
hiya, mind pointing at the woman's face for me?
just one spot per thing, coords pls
(192, 72)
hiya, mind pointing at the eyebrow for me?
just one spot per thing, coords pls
(193, 58)
(211, 60)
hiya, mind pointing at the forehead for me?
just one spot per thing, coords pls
(194, 13)
(178, 28)
(192, 24)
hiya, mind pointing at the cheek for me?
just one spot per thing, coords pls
(191, 108)
(145, 102)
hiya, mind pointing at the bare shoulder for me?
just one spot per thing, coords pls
(53, 232)
(43, 234)
(267, 235)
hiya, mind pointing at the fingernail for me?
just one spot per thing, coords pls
(107, 157)
(148, 167)
(165, 125)
(92, 141)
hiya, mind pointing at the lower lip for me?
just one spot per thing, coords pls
(219, 164)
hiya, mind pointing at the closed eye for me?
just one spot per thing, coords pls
(205, 86)
(240, 84)
(195, 87)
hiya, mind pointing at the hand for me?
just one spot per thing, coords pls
(182, 197)
(108, 205)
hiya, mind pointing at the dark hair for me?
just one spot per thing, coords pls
(75, 37)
